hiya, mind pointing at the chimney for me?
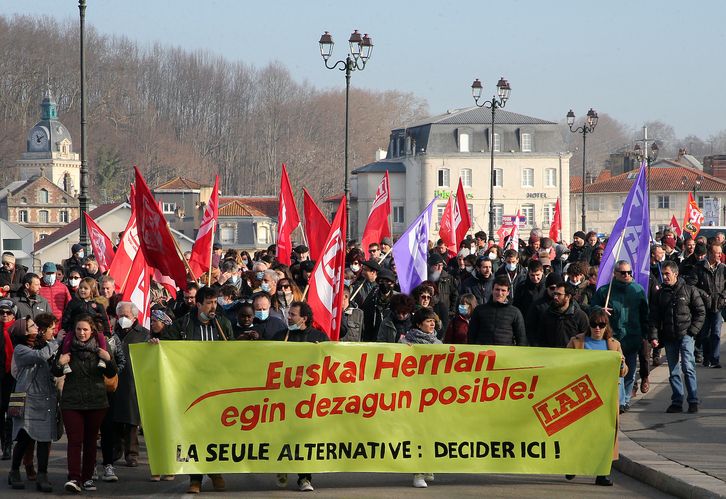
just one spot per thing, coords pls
(67, 183)
(380, 154)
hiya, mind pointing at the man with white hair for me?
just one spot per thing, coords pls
(126, 416)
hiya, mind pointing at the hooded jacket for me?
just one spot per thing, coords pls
(556, 328)
(711, 282)
(676, 311)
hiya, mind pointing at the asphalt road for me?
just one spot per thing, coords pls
(134, 482)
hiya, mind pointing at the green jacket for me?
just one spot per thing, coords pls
(629, 314)
(183, 328)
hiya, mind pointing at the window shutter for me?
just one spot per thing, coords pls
(602, 203)
(672, 202)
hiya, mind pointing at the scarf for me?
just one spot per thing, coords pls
(418, 336)
(84, 349)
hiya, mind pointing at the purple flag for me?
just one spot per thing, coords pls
(633, 228)
(411, 250)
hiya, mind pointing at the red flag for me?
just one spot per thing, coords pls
(326, 282)
(694, 217)
(155, 238)
(126, 251)
(101, 243)
(674, 226)
(556, 226)
(317, 226)
(288, 219)
(137, 289)
(202, 250)
(462, 220)
(377, 224)
(446, 229)
(514, 236)
(165, 281)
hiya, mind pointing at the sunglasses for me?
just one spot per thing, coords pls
(426, 297)
(6, 312)
(601, 325)
(625, 272)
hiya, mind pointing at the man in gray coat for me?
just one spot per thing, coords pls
(29, 301)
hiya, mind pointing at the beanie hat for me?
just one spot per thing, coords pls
(8, 257)
(580, 234)
(553, 278)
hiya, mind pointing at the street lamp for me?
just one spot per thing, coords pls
(587, 127)
(503, 91)
(361, 48)
(650, 158)
(83, 198)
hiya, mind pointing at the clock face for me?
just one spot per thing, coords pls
(38, 140)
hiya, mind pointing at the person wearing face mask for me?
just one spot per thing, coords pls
(76, 259)
(377, 304)
(125, 413)
(513, 270)
(459, 325)
(447, 286)
(230, 275)
(202, 323)
(267, 324)
(576, 276)
(11, 275)
(269, 285)
(227, 301)
(259, 270)
(74, 280)
(562, 254)
(286, 293)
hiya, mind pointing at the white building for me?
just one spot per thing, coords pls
(428, 157)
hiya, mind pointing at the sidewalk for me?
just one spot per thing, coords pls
(681, 454)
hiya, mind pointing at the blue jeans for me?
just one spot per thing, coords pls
(626, 383)
(687, 366)
(710, 336)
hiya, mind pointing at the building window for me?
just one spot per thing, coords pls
(498, 215)
(24, 200)
(42, 196)
(550, 177)
(595, 203)
(466, 177)
(528, 215)
(464, 142)
(440, 213)
(398, 215)
(528, 177)
(64, 201)
(43, 216)
(549, 214)
(498, 177)
(666, 202)
(444, 177)
(169, 207)
(526, 142)
(616, 203)
(64, 216)
(226, 235)
(262, 234)
(23, 216)
(497, 143)
(470, 208)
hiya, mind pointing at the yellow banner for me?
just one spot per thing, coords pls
(216, 407)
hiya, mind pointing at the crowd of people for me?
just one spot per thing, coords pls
(66, 332)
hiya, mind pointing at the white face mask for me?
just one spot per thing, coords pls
(355, 268)
(220, 300)
(75, 282)
(49, 279)
(469, 268)
(492, 256)
(125, 322)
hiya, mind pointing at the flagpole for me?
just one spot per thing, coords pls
(305, 293)
(305, 239)
(386, 255)
(211, 254)
(181, 253)
(617, 259)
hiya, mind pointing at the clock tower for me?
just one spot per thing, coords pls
(50, 149)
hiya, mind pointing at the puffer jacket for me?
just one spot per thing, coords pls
(496, 324)
(555, 328)
(629, 314)
(84, 387)
(711, 282)
(676, 311)
(480, 287)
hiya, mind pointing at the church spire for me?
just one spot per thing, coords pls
(49, 107)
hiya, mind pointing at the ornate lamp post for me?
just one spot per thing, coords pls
(587, 127)
(503, 91)
(361, 48)
(83, 198)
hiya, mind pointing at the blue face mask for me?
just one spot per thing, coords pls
(463, 309)
(511, 267)
(259, 275)
(294, 327)
(346, 282)
(204, 316)
(265, 287)
(80, 255)
(262, 314)
(233, 279)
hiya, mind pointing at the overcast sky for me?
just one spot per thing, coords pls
(636, 61)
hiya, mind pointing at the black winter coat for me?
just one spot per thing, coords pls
(556, 328)
(448, 293)
(531, 321)
(527, 293)
(676, 311)
(13, 278)
(496, 324)
(76, 307)
(711, 282)
(478, 286)
(373, 314)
